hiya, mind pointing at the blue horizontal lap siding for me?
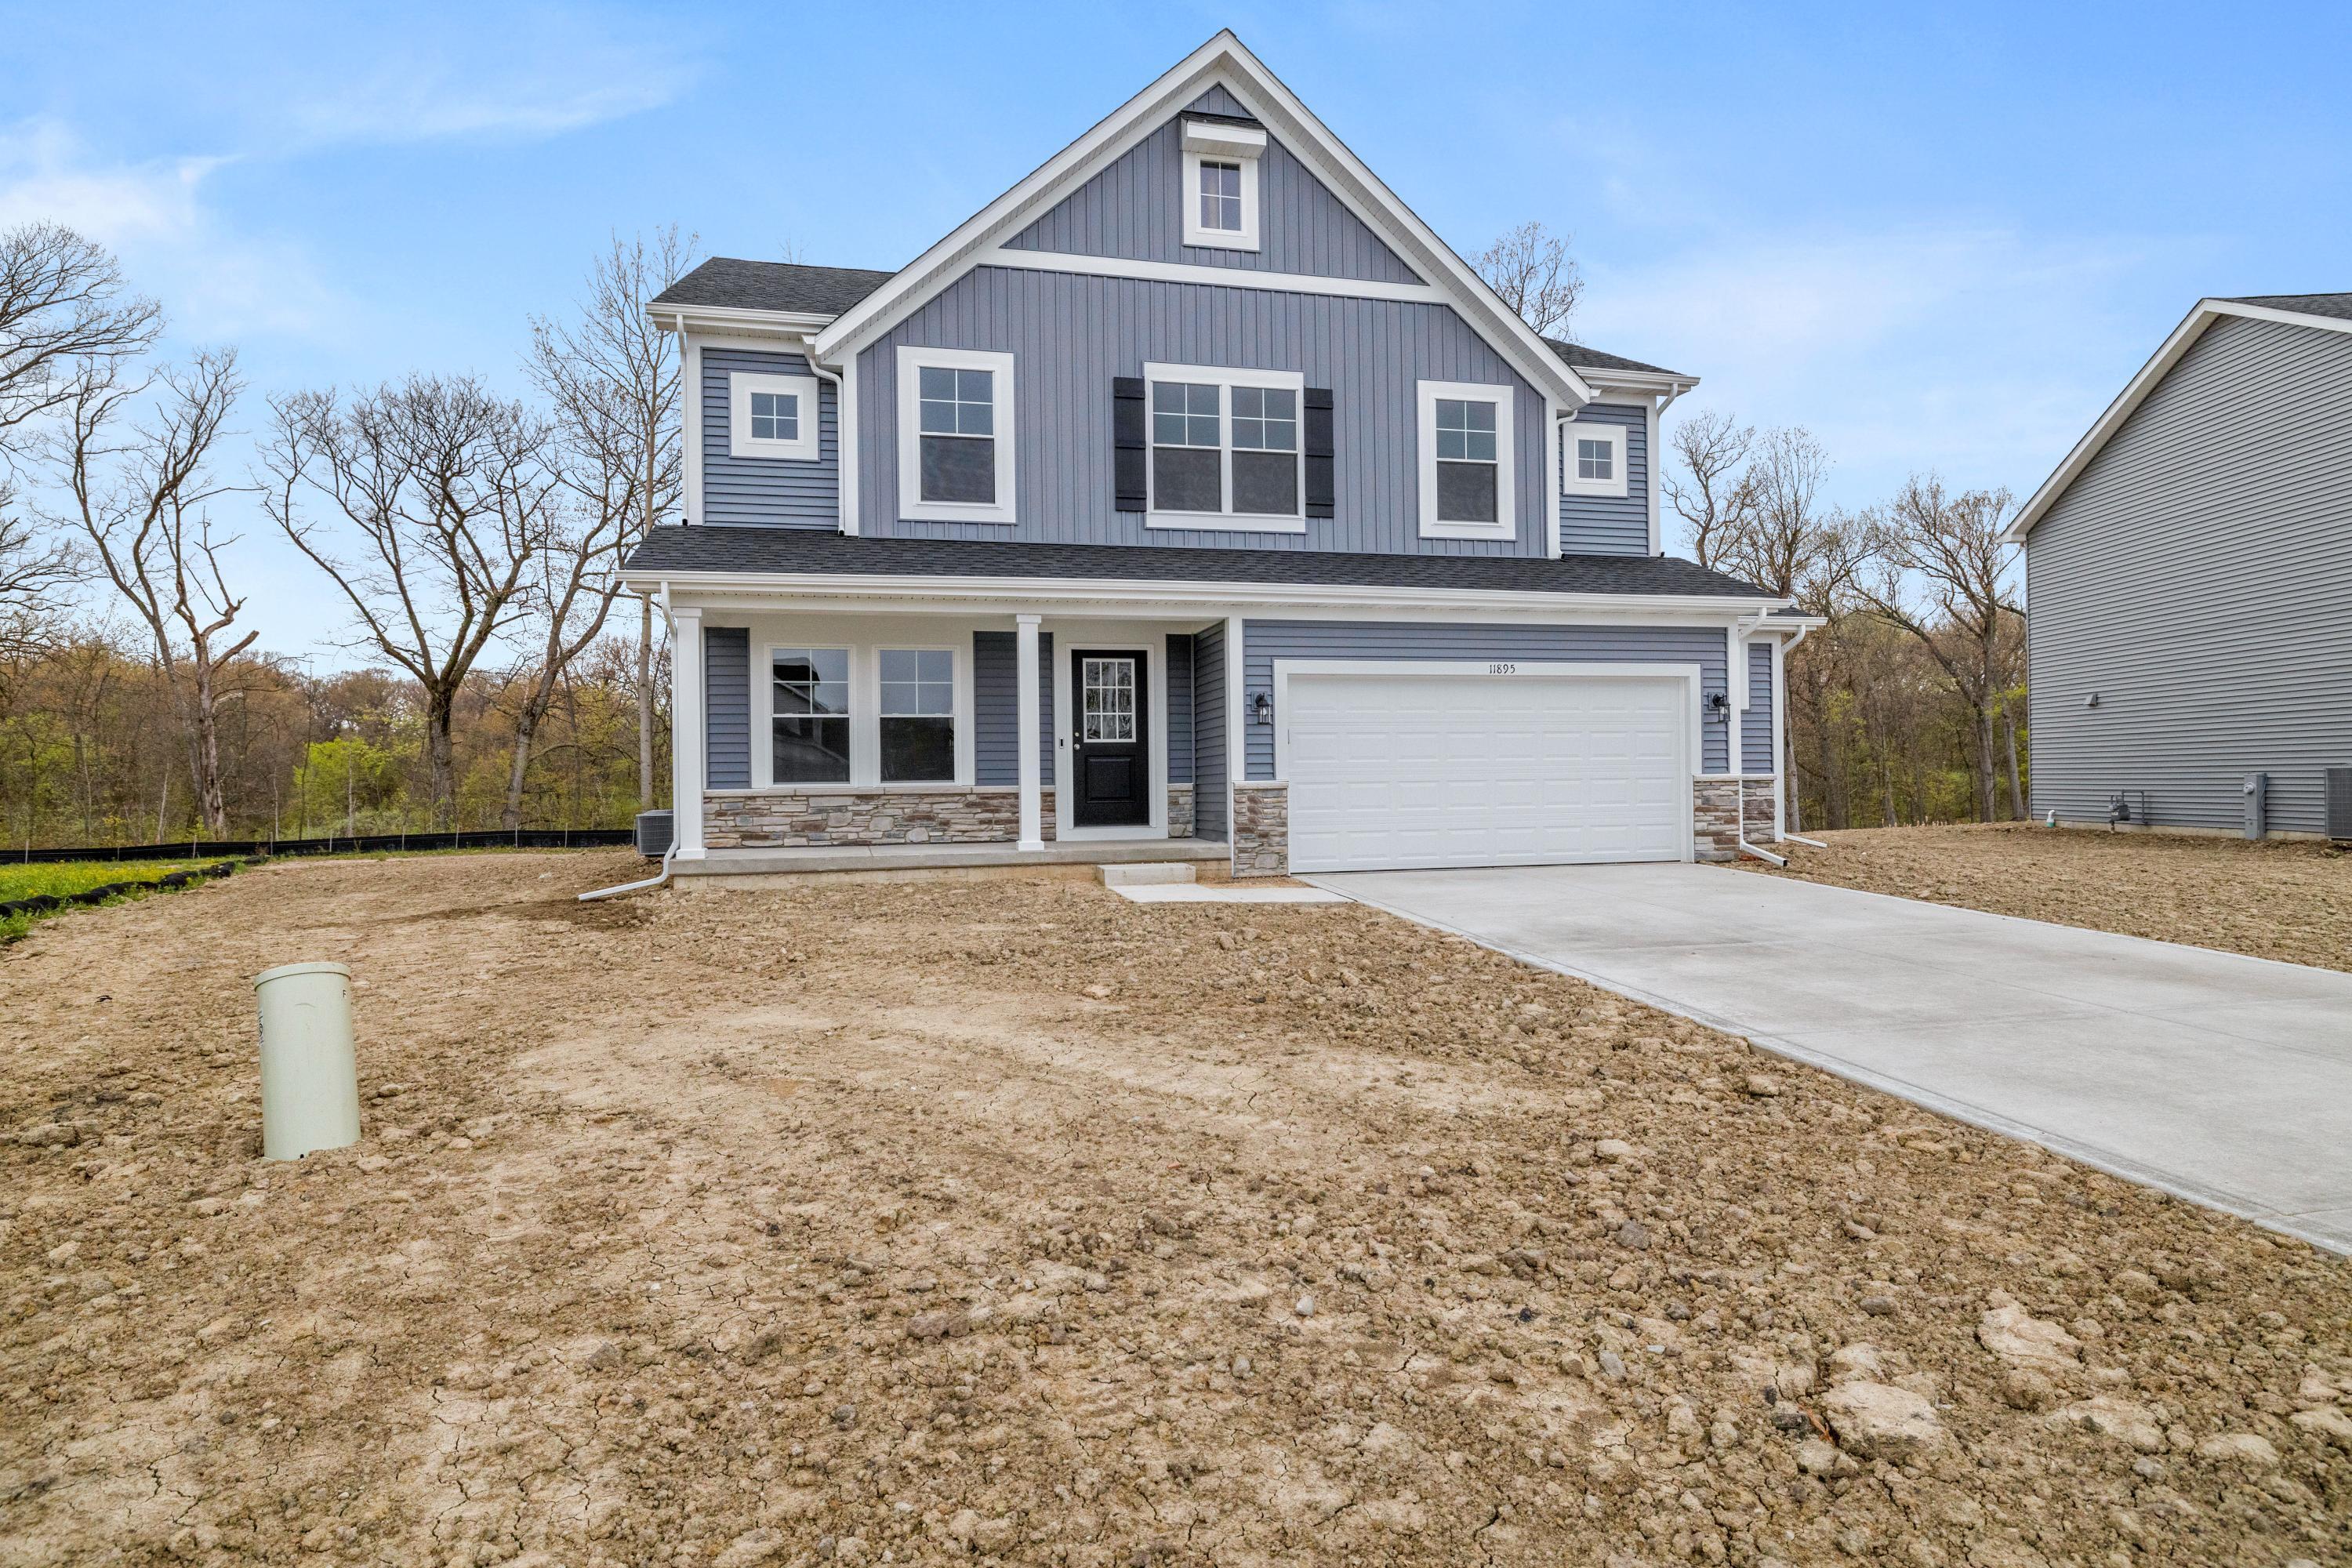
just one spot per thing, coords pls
(1756, 723)
(775, 492)
(1134, 210)
(1209, 776)
(996, 707)
(1610, 525)
(1180, 708)
(1070, 335)
(1266, 641)
(727, 706)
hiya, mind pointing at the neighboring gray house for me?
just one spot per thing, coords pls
(2188, 581)
(1193, 499)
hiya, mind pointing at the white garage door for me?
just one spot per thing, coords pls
(1398, 770)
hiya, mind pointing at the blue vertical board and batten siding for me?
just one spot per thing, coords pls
(1070, 335)
(996, 707)
(1756, 719)
(2196, 579)
(1209, 766)
(1180, 709)
(727, 706)
(1611, 525)
(772, 491)
(1134, 210)
(1266, 641)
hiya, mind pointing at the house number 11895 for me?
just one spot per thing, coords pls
(1502, 670)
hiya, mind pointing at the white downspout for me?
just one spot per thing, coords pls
(844, 490)
(1780, 750)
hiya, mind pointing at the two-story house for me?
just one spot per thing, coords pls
(1191, 500)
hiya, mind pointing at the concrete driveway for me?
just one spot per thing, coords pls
(2222, 1078)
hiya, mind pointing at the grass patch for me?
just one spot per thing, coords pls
(63, 879)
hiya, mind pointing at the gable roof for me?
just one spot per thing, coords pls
(2324, 313)
(1222, 59)
(732, 285)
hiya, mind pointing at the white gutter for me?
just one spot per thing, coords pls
(845, 424)
(1781, 696)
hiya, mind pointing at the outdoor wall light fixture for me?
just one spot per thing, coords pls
(1262, 708)
(1718, 706)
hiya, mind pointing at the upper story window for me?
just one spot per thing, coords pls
(772, 415)
(1221, 183)
(1465, 460)
(1225, 448)
(955, 435)
(1592, 458)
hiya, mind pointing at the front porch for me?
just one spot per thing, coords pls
(827, 739)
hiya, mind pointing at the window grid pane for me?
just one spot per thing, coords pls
(918, 683)
(809, 732)
(1595, 458)
(1108, 705)
(775, 416)
(1221, 196)
(956, 402)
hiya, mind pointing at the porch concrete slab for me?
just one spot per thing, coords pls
(1224, 893)
(886, 857)
(2222, 1078)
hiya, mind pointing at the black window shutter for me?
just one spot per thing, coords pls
(1315, 443)
(1129, 444)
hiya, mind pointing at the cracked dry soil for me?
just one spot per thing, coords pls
(1009, 1220)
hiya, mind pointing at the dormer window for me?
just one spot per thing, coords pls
(1221, 200)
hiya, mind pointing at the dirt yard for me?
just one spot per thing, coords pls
(2283, 899)
(1009, 1220)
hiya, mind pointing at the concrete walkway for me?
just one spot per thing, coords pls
(2220, 1079)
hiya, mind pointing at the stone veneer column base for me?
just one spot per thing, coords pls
(1716, 814)
(1261, 830)
(1180, 811)
(797, 818)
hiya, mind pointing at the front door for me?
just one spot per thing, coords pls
(1110, 765)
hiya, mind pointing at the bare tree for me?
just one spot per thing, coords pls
(1929, 544)
(63, 304)
(1531, 269)
(1711, 491)
(451, 493)
(32, 567)
(614, 381)
(137, 496)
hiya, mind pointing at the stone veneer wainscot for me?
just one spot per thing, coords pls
(1261, 830)
(775, 818)
(1716, 814)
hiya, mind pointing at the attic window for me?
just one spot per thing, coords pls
(1221, 188)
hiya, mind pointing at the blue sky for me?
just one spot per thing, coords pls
(1939, 239)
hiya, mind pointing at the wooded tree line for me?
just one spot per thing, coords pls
(472, 540)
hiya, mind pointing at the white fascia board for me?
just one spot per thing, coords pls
(2136, 391)
(1640, 385)
(722, 320)
(965, 590)
(1306, 137)
(1212, 277)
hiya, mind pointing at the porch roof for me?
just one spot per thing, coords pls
(798, 551)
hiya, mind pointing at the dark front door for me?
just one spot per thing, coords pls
(1110, 763)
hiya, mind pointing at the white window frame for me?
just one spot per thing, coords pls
(912, 361)
(1575, 430)
(1218, 143)
(953, 715)
(1506, 397)
(741, 442)
(1226, 378)
(865, 648)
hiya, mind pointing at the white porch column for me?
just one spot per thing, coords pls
(685, 731)
(1025, 640)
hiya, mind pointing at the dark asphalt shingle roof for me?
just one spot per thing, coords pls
(800, 550)
(731, 283)
(2338, 306)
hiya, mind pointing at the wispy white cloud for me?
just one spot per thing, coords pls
(216, 280)
(1979, 352)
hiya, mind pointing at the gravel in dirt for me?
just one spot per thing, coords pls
(1012, 1221)
(2283, 899)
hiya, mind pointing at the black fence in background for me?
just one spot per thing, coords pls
(363, 844)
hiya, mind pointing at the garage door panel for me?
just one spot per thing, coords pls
(1401, 769)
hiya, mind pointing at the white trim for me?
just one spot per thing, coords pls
(1212, 277)
(865, 649)
(1506, 468)
(808, 412)
(763, 327)
(690, 427)
(1654, 413)
(1198, 234)
(953, 591)
(1153, 647)
(1690, 676)
(846, 441)
(1734, 682)
(1576, 430)
(1779, 739)
(1226, 378)
(1221, 60)
(1236, 725)
(1554, 417)
(2136, 391)
(911, 362)
(1219, 139)
(690, 768)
